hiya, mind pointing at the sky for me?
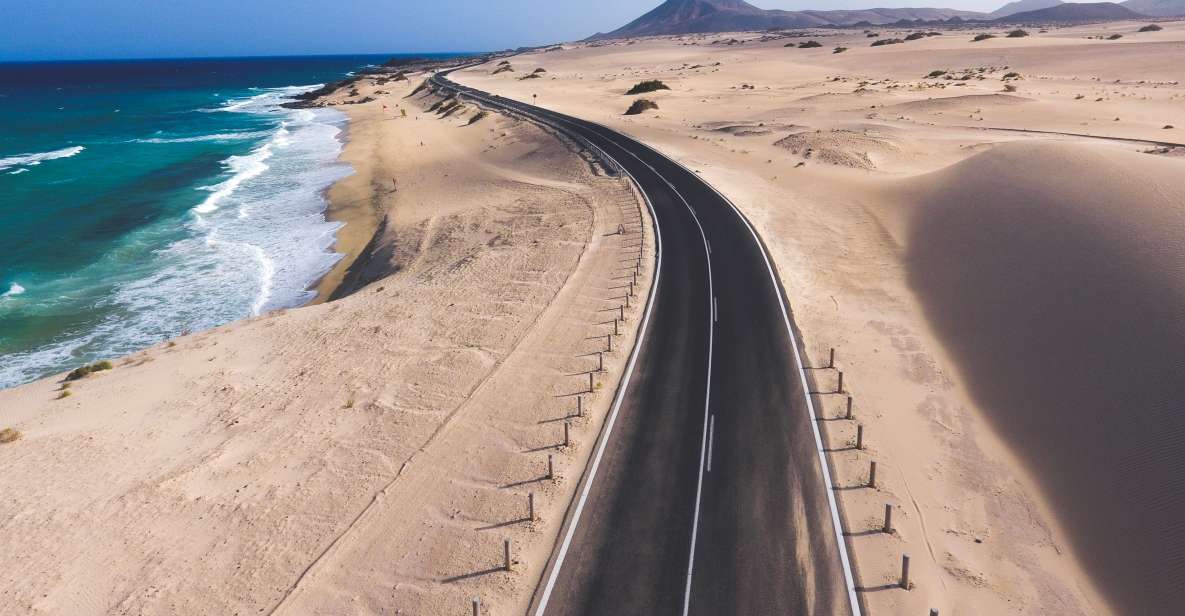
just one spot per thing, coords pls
(104, 29)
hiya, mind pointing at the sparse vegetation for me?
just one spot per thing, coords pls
(1012, 75)
(1168, 127)
(420, 88)
(809, 44)
(839, 50)
(982, 37)
(66, 393)
(1150, 28)
(890, 41)
(1017, 34)
(913, 36)
(651, 85)
(641, 105)
(9, 435)
(84, 371)
(503, 68)
(872, 34)
(539, 70)
(478, 117)
(1008, 87)
(935, 74)
(1115, 37)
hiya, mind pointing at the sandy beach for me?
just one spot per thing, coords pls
(367, 455)
(979, 274)
(988, 233)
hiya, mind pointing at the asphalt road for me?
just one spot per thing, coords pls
(710, 496)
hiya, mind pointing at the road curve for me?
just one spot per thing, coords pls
(711, 494)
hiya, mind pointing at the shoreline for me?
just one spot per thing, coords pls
(358, 213)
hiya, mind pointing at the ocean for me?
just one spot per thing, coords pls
(143, 199)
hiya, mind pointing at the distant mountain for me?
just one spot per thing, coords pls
(1157, 8)
(1074, 12)
(703, 16)
(1021, 6)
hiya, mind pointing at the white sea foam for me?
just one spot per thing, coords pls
(36, 158)
(256, 243)
(19, 171)
(218, 137)
(13, 290)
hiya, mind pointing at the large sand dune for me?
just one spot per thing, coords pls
(1056, 276)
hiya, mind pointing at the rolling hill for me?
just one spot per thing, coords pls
(1074, 13)
(1021, 6)
(703, 16)
(1157, 8)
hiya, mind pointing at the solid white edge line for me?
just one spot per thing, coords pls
(837, 525)
(711, 346)
(845, 561)
(711, 439)
(586, 488)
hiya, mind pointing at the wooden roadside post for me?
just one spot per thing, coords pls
(506, 554)
(872, 474)
(531, 506)
(905, 571)
(567, 434)
(476, 606)
(550, 466)
(888, 527)
(860, 436)
(831, 362)
(839, 386)
(849, 414)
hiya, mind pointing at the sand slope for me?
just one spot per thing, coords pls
(1056, 275)
(360, 456)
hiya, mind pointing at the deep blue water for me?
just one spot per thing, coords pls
(142, 199)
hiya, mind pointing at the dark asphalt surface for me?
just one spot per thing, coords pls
(763, 501)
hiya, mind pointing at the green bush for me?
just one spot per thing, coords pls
(1151, 28)
(892, 41)
(9, 435)
(641, 105)
(652, 85)
(84, 371)
(935, 74)
(809, 44)
(982, 37)
(1017, 34)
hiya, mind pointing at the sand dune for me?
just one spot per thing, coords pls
(1056, 275)
(846, 148)
(966, 102)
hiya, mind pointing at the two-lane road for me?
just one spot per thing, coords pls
(710, 495)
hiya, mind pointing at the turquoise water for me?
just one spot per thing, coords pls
(140, 200)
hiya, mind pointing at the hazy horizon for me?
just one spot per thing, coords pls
(135, 29)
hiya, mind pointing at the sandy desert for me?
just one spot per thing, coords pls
(988, 233)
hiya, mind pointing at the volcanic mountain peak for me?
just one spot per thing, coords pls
(691, 16)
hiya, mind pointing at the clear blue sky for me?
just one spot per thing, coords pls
(91, 29)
